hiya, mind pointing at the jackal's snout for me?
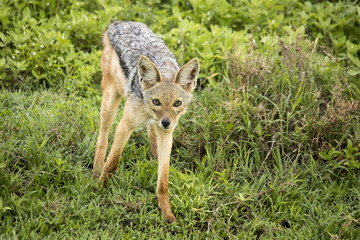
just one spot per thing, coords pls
(165, 122)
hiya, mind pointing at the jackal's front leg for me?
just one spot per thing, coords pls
(164, 144)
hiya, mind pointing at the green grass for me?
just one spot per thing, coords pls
(48, 191)
(269, 149)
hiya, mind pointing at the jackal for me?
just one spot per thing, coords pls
(138, 66)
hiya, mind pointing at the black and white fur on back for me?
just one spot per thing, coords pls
(133, 39)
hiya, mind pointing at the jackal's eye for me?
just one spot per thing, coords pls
(156, 102)
(177, 103)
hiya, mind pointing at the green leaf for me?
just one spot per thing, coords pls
(229, 126)
(241, 197)
(300, 30)
(34, 73)
(2, 62)
(354, 90)
(352, 48)
(353, 72)
(354, 59)
(26, 13)
(212, 82)
(2, 165)
(324, 156)
(2, 37)
(176, 12)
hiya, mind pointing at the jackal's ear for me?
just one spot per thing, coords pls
(148, 73)
(187, 75)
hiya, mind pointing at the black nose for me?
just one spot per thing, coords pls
(165, 122)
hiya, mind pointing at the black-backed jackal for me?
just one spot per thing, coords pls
(138, 66)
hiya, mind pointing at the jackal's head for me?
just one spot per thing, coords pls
(166, 101)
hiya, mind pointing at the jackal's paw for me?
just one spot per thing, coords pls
(95, 174)
(170, 218)
(167, 214)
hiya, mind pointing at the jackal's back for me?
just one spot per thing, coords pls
(131, 40)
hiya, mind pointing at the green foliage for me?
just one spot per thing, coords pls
(47, 43)
(347, 159)
(269, 150)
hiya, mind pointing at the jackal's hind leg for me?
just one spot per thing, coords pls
(109, 105)
(152, 140)
(122, 134)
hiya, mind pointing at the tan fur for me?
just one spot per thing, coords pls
(152, 140)
(139, 113)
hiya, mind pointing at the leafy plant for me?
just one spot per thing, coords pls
(347, 159)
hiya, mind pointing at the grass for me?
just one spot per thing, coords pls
(226, 191)
(269, 149)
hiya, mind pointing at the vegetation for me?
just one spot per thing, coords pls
(270, 149)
